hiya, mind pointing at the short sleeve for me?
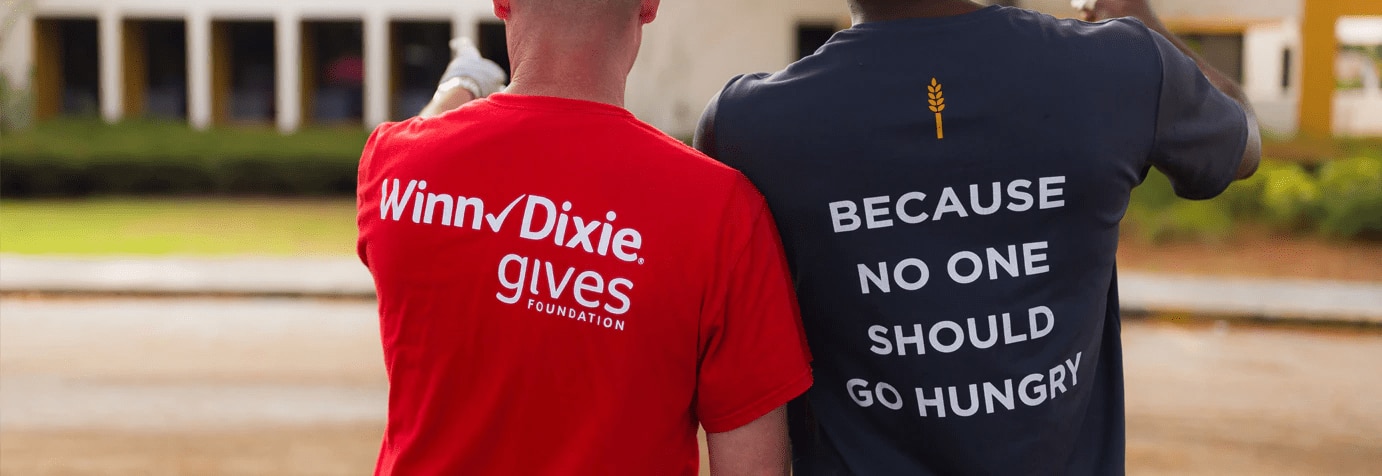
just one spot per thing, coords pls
(366, 202)
(752, 348)
(1201, 132)
(707, 138)
(704, 139)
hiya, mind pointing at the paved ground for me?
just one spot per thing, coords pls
(189, 387)
(227, 275)
(1276, 299)
(285, 386)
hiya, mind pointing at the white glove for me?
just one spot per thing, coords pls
(1083, 4)
(471, 71)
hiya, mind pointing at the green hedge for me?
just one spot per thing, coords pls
(1339, 198)
(69, 158)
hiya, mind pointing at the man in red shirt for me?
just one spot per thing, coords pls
(562, 288)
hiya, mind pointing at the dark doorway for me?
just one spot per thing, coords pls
(156, 68)
(66, 67)
(421, 52)
(250, 72)
(333, 52)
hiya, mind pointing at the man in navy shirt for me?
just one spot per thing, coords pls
(948, 180)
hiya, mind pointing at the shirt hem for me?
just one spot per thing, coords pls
(762, 406)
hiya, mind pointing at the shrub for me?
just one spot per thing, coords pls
(1185, 221)
(80, 157)
(16, 105)
(1342, 199)
(1289, 196)
(1353, 189)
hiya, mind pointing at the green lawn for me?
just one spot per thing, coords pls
(178, 226)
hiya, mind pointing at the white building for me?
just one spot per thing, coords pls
(292, 62)
(222, 61)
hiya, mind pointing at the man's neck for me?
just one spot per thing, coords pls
(866, 11)
(569, 68)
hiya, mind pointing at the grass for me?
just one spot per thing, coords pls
(178, 227)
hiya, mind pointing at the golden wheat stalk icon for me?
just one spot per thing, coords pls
(937, 99)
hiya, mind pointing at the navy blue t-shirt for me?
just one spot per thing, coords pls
(949, 192)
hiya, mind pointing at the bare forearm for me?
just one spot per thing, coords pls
(445, 101)
(759, 448)
(468, 77)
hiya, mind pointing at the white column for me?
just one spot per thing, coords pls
(288, 41)
(376, 68)
(16, 63)
(463, 25)
(112, 90)
(199, 69)
(1263, 46)
(17, 51)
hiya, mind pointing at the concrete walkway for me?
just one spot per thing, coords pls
(1295, 299)
(1306, 300)
(331, 277)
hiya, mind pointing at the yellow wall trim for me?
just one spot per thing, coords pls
(1320, 46)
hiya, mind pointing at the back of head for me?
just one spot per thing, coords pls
(581, 49)
(883, 10)
(575, 8)
(586, 13)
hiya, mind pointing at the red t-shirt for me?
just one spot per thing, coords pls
(565, 290)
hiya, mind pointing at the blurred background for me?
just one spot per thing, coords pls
(179, 294)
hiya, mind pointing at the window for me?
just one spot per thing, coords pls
(1286, 68)
(1224, 52)
(421, 52)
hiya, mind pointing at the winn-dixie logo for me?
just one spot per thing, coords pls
(540, 219)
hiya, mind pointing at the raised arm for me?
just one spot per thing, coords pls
(446, 99)
(468, 77)
(1142, 11)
